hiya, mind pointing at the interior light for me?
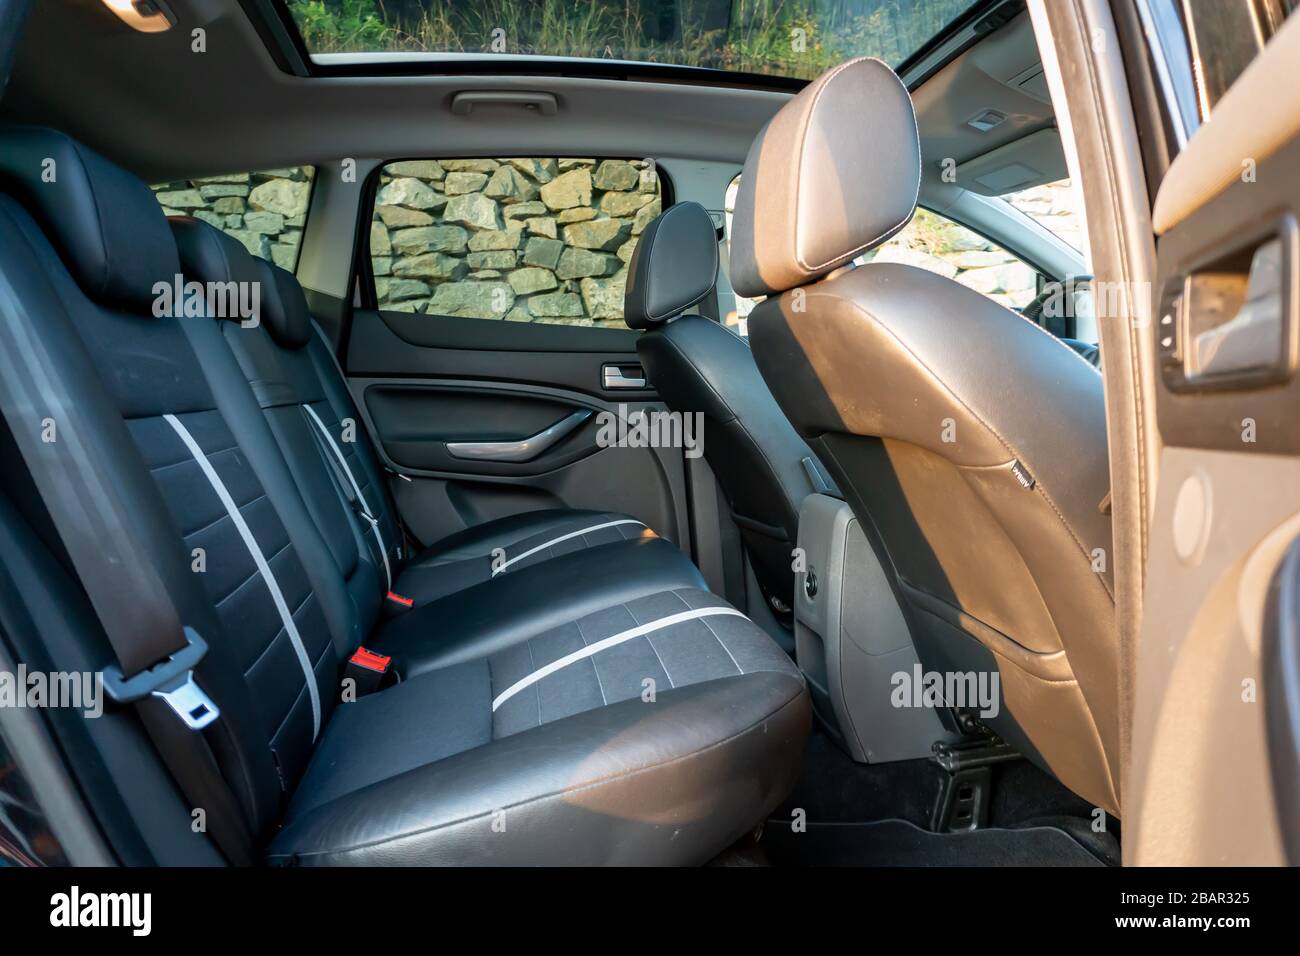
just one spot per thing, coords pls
(147, 16)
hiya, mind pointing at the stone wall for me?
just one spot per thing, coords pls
(526, 240)
(265, 210)
(548, 240)
(950, 250)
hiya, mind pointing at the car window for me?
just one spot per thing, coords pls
(772, 37)
(264, 210)
(1200, 47)
(936, 244)
(536, 239)
(1057, 207)
(945, 248)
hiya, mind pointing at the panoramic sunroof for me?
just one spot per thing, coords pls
(795, 39)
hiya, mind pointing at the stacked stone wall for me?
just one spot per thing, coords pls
(263, 210)
(526, 240)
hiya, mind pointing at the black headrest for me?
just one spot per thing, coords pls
(106, 224)
(209, 255)
(674, 266)
(284, 307)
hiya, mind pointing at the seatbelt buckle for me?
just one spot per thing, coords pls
(171, 681)
(395, 604)
(366, 669)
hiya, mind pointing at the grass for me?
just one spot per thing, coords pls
(798, 38)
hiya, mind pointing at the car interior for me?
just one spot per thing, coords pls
(454, 450)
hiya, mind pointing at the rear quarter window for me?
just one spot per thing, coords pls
(534, 239)
(264, 210)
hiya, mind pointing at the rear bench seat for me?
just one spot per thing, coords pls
(294, 374)
(558, 561)
(526, 696)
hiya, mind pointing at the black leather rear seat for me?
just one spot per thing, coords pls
(300, 387)
(304, 401)
(602, 720)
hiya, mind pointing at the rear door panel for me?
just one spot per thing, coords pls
(423, 381)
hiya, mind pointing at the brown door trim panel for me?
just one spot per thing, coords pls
(1253, 409)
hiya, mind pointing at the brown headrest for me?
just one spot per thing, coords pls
(835, 172)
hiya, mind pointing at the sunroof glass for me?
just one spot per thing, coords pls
(789, 38)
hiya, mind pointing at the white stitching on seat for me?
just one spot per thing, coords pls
(739, 669)
(564, 537)
(255, 550)
(611, 641)
(356, 489)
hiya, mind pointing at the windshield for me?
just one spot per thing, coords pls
(788, 38)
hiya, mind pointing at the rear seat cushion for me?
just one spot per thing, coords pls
(497, 613)
(509, 545)
(588, 764)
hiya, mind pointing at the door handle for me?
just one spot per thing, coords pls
(614, 376)
(522, 449)
(1227, 320)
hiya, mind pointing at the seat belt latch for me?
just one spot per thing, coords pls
(171, 681)
(395, 604)
(366, 670)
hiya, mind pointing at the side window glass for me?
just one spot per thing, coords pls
(1200, 47)
(265, 210)
(533, 239)
(1224, 37)
(945, 248)
(928, 242)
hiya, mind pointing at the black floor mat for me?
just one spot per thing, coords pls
(834, 789)
(839, 798)
(899, 843)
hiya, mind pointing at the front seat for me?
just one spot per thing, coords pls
(697, 366)
(970, 443)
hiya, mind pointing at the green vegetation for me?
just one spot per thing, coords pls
(799, 38)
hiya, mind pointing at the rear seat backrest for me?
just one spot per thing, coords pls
(287, 318)
(154, 372)
(285, 384)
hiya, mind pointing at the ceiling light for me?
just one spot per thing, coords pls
(147, 16)
(986, 120)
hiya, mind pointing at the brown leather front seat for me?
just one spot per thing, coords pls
(970, 442)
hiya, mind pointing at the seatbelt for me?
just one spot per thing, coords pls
(360, 499)
(156, 654)
(403, 531)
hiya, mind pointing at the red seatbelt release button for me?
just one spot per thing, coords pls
(400, 599)
(370, 660)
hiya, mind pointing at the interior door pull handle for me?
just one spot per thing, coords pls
(523, 449)
(613, 376)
